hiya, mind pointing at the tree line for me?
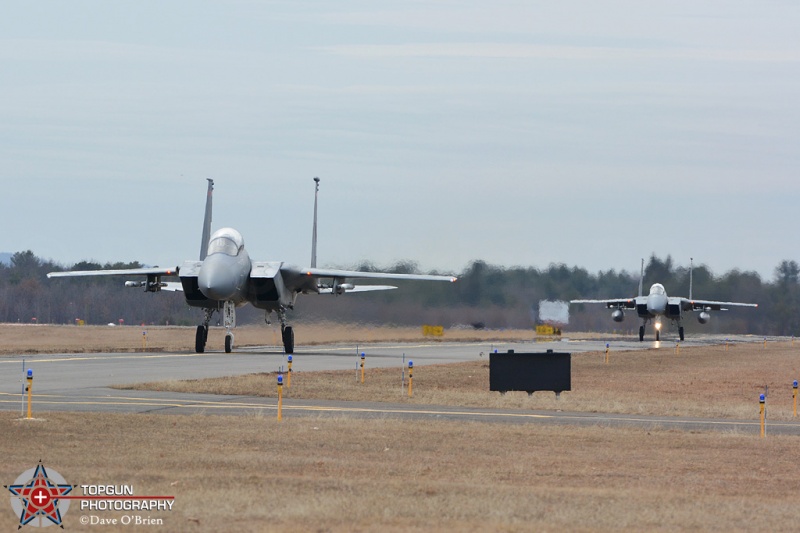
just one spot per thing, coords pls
(485, 295)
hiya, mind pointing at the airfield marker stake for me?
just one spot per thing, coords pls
(403, 372)
(363, 357)
(410, 376)
(280, 397)
(726, 345)
(30, 391)
(22, 396)
(762, 400)
(765, 343)
(606, 353)
(677, 348)
(144, 339)
(289, 374)
(794, 398)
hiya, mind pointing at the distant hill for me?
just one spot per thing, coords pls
(5, 258)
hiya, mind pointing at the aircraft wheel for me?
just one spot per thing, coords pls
(680, 333)
(200, 339)
(641, 333)
(228, 343)
(288, 339)
(658, 335)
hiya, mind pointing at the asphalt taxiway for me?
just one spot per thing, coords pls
(82, 382)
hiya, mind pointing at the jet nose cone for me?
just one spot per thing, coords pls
(216, 283)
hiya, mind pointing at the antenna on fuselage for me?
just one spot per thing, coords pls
(206, 222)
(314, 230)
(691, 265)
(641, 278)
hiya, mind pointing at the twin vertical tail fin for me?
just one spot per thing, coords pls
(314, 230)
(207, 222)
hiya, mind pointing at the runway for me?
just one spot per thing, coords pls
(81, 383)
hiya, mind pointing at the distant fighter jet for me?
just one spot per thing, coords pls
(658, 304)
(225, 278)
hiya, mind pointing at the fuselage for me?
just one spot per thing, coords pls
(657, 300)
(225, 271)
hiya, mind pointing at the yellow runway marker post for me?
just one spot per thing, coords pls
(606, 353)
(794, 398)
(289, 373)
(762, 401)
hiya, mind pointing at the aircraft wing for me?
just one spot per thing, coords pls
(155, 271)
(152, 284)
(613, 303)
(710, 305)
(359, 288)
(311, 279)
(354, 274)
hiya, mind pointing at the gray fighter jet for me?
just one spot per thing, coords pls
(657, 304)
(225, 278)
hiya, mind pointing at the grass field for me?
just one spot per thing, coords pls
(342, 474)
(707, 381)
(21, 339)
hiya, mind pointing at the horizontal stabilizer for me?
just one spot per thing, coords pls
(359, 288)
(333, 273)
(172, 286)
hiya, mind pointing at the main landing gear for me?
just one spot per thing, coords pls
(200, 338)
(287, 333)
(658, 333)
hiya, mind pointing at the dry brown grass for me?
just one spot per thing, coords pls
(342, 474)
(712, 382)
(26, 338)
(322, 474)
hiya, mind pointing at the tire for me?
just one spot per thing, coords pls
(200, 339)
(288, 340)
(680, 333)
(641, 333)
(228, 343)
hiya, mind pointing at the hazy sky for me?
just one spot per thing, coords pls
(520, 133)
